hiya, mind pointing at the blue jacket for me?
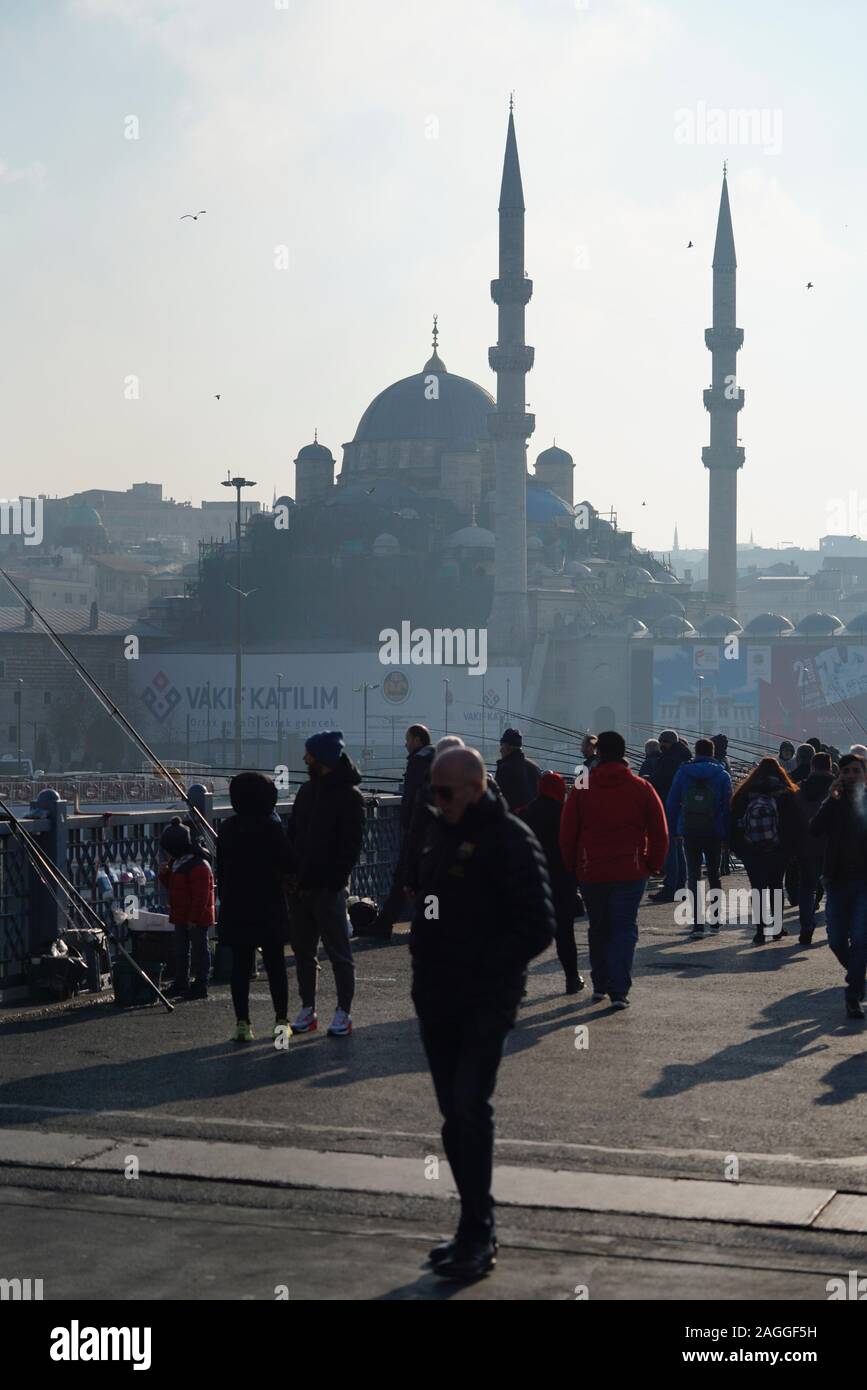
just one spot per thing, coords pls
(701, 767)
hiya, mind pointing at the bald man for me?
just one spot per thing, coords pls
(483, 911)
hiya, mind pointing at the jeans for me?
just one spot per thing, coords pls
(464, 1051)
(612, 909)
(314, 915)
(192, 941)
(675, 865)
(696, 848)
(846, 921)
(274, 961)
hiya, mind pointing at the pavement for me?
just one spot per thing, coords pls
(707, 1143)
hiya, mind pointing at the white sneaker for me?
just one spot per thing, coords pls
(341, 1024)
(306, 1022)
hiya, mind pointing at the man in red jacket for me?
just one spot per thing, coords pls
(612, 835)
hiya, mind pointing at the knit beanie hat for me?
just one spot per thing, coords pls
(252, 794)
(327, 746)
(512, 737)
(552, 785)
(175, 839)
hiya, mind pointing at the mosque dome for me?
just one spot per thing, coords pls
(719, 625)
(674, 626)
(386, 544)
(636, 575)
(472, 537)
(407, 409)
(857, 626)
(577, 570)
(284, 502)
(819, 625)
(314, 453)
(553, 455)
(768, 625)
(544, 505)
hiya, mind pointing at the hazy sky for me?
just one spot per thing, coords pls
(308, 127)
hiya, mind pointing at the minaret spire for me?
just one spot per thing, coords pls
(723, 401)
(510, 425)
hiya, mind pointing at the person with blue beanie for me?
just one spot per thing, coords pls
(325, 830)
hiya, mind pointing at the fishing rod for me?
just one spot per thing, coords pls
(56, 880)
(109, 706)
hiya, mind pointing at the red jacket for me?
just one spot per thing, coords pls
(613, 829)
(190, 884)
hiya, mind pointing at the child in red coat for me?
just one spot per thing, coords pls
(189, 881)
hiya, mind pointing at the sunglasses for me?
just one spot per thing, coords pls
(443, 793)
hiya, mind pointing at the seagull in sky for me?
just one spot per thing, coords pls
(195, 215)
(245, 593)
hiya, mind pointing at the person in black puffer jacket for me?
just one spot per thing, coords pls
(326, 826)
(419, 758)
(543, 817)
(842, 819)
(517, 776)
(767, 831)
(483, 911)
(810, 795)
(252, 864)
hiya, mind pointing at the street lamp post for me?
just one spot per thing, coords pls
(363, 688)
(700, 680)
(238, 483)
(279, 709)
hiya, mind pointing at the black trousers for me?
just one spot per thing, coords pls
(274, 962)
(696, 848)
(464, 1051)
(564, 940)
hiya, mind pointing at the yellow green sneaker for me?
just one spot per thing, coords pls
(282, 1028)
(243, 1032)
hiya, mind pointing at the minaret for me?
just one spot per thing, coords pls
(510, 426)
(723, 458)
(676, 545)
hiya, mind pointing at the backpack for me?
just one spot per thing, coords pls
(761, 823)
(699, 807)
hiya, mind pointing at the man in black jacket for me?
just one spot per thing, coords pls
(842, 818)
(517, 776)
(325, 829)
(672, 754)
(419, 757)
(810, 795)
(483, 911)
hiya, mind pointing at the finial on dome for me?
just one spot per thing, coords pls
(435, 362)
(511, 101)
(315, 435)
(474, 522)
(725, 167)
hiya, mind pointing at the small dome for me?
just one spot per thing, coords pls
(674, 626)
(819, 625)
(578, 570)
(314, 453)
(718, 625)
(768, 625)
(545, 505)
(624, 625)
(553, 455)
(386, 544)
(636, 575)
(666, 577)
(656, 605)
(472, 536)
(858, 626)
(284, 502)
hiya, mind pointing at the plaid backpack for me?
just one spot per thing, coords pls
(761, 824)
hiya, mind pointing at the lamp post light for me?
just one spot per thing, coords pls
(238, 483)
(363, 688)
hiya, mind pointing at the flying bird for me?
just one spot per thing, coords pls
(809, 284)
(216, 398)
(370, 490)
(195, 215)
(245, 593)
(689, 246)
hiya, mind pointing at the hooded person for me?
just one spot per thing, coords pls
(253, 862)
(517, 776)
(802, 766)
(811, 793)
(721, 751)
(767, 830)
(612, 835)
(189, 881)
(652, 754)
(543, 815)
(326, 826)
(842, 820)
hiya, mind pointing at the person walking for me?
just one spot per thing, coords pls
(188, 879)
(786, 755)
(721, 751)
(842, 819)
(698, 811)
(803, 763)
(252, 864)
(326, 825)
(766, 831)
(543, 816)
(419, 758)
(483, 911)
(673, 754)
(811, 793)
(517, 776)
(651, 758)
(612, 834)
